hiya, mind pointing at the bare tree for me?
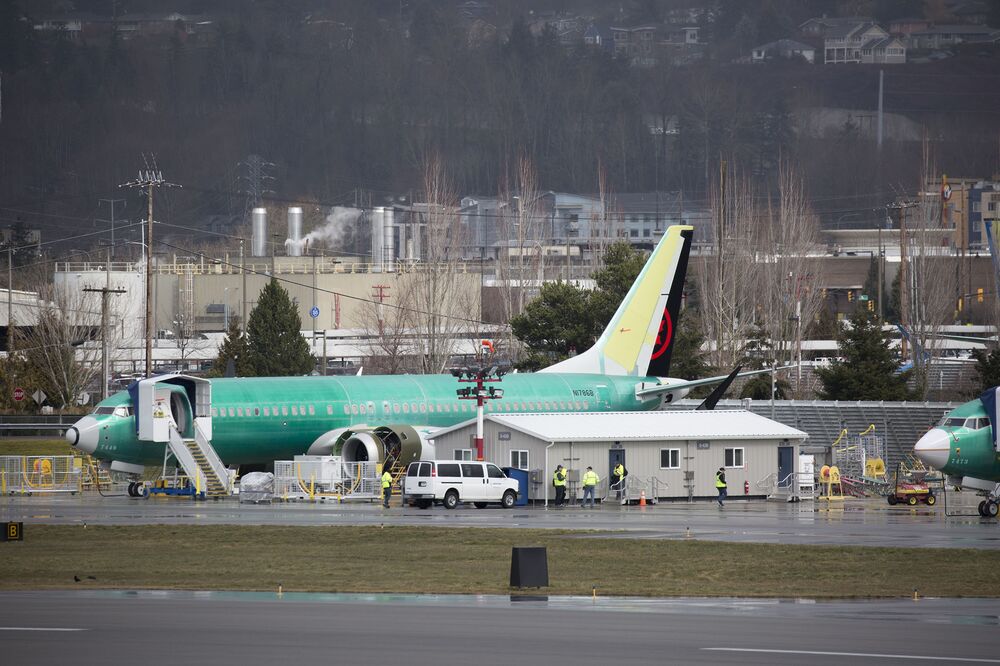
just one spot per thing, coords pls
(728, 283)
(389, 329)
(520, 258)
(933, 275)
(788, 288)
(436, 299)
(63, 346)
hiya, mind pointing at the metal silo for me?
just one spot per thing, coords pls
(295, 231)
(377, 226)
(259, 224)
(388, 242)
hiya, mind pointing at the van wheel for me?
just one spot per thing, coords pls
(508, 499)
(450, 499)
(481, 505)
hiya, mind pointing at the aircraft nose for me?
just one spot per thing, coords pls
(85, 434)
(933, 448)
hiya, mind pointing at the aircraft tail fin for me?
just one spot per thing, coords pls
(639, 338)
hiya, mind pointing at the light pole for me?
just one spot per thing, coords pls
(480, 375)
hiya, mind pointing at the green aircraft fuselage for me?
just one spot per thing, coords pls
(962, 444)
(259, 420)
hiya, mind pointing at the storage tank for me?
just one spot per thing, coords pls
(388, 242)
(258, 245)
(295, 231)
(377, 226)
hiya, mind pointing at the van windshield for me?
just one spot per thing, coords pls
(495, 472)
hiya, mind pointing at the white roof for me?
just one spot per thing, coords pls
(638, 426)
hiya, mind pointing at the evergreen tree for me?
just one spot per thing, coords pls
(988, 368)
(869, 368)
(687, 361)
(233, 349)
(871, 288)
(554, 325)
(892, 306)
(275, 346)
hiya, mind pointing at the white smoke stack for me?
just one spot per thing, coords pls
(258, 245)
(294, 243)
(378, 242)
(388, 242)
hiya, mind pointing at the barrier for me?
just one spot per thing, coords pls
(25, 475)
(326, 477)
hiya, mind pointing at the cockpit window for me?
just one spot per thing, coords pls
(953, 422)
(104, 410)
(983, 423)
(123, 411)
(120, 410)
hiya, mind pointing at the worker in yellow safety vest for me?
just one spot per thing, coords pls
(618, 479)
(559, 481)
(720, 484)
(386, 488)
(590, 481)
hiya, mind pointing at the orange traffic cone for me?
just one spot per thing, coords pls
(642, 498)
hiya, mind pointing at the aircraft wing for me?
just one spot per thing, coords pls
(687, 384)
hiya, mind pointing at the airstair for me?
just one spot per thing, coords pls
(176, 410)
(200, 462)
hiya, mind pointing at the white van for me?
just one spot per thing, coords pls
(452, 481)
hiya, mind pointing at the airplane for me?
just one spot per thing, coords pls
(257, 420)
(964, 446)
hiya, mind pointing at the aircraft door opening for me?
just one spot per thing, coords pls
(180, 411)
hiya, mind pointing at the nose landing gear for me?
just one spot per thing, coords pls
(989, 508)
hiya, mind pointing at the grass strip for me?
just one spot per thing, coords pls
(474, 560)
(36, 447)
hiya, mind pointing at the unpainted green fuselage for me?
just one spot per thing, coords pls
(970, 443)
(259, 420)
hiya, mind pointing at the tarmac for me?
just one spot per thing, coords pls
(160, 627)
(868, 522)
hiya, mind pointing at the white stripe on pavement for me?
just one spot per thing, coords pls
(874, 655)
(40, 629)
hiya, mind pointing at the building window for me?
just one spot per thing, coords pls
(991, 206)
(463, 454)
(519, 459)
(734, 458)
(670, 458)
(977, 207)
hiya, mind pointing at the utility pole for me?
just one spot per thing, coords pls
(105, 292)
(10, 300)
(149, 179)
(112, 202)
(243, 307)
(904, 285)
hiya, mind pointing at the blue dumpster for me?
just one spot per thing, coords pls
(521, 476)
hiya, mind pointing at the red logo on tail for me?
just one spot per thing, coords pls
(665, 335)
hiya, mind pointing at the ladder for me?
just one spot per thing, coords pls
(200, 462)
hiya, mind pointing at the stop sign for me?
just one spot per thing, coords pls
(19, 394)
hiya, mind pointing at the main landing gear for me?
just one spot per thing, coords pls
(989, 508)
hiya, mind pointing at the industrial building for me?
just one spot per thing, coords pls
(671, 455)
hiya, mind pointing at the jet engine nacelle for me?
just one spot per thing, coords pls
(400, 444)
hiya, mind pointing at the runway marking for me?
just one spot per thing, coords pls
(40, 629)
(915, 657)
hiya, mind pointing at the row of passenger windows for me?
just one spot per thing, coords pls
(355, 408)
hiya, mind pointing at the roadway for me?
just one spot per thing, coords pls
(848, 522)
(153, 627)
